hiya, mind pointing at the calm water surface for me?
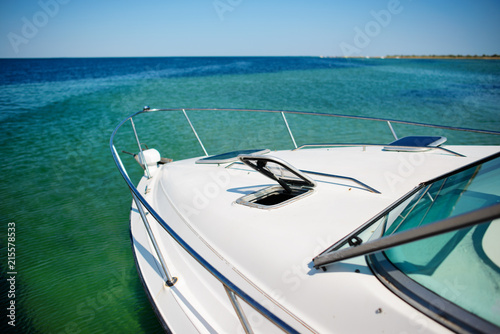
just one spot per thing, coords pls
(61, 190)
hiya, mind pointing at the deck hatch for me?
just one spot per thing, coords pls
(415, 143)
(278, 170)
(293, 183)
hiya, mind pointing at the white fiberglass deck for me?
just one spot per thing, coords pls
(268, 252)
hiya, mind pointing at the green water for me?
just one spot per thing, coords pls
(58, 183)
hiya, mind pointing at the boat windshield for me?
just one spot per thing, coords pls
(462, 266)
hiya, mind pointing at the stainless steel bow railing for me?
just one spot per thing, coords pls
(231, 289)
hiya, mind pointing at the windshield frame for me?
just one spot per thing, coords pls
(328, 255)
(430, 303)
(424, 300)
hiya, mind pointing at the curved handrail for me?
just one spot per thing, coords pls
(310, 113)
(205, 264)
(375, 145)
(212, 270)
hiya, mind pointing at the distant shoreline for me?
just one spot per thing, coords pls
(495, 57)
(446, 57)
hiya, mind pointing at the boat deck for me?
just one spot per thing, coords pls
(268, 252)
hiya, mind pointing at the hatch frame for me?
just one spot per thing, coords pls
(291, 187)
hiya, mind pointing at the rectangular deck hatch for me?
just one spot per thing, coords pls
(293, 184)
(415, 143)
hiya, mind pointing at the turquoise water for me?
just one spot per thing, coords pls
(59, 185)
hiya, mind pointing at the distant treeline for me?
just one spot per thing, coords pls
(495, 56)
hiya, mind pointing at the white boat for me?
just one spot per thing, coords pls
(398, 237)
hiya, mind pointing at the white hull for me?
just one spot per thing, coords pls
(267, 252)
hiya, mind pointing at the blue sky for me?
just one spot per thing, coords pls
(128, 28)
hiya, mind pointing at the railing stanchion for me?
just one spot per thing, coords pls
(141, 154)
(288, 128)
(392, 130)
(195, 133)
(237, 308)
(169, 280)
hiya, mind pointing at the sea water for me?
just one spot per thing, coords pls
(73, 266)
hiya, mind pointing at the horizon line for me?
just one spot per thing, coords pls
(451, 56)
